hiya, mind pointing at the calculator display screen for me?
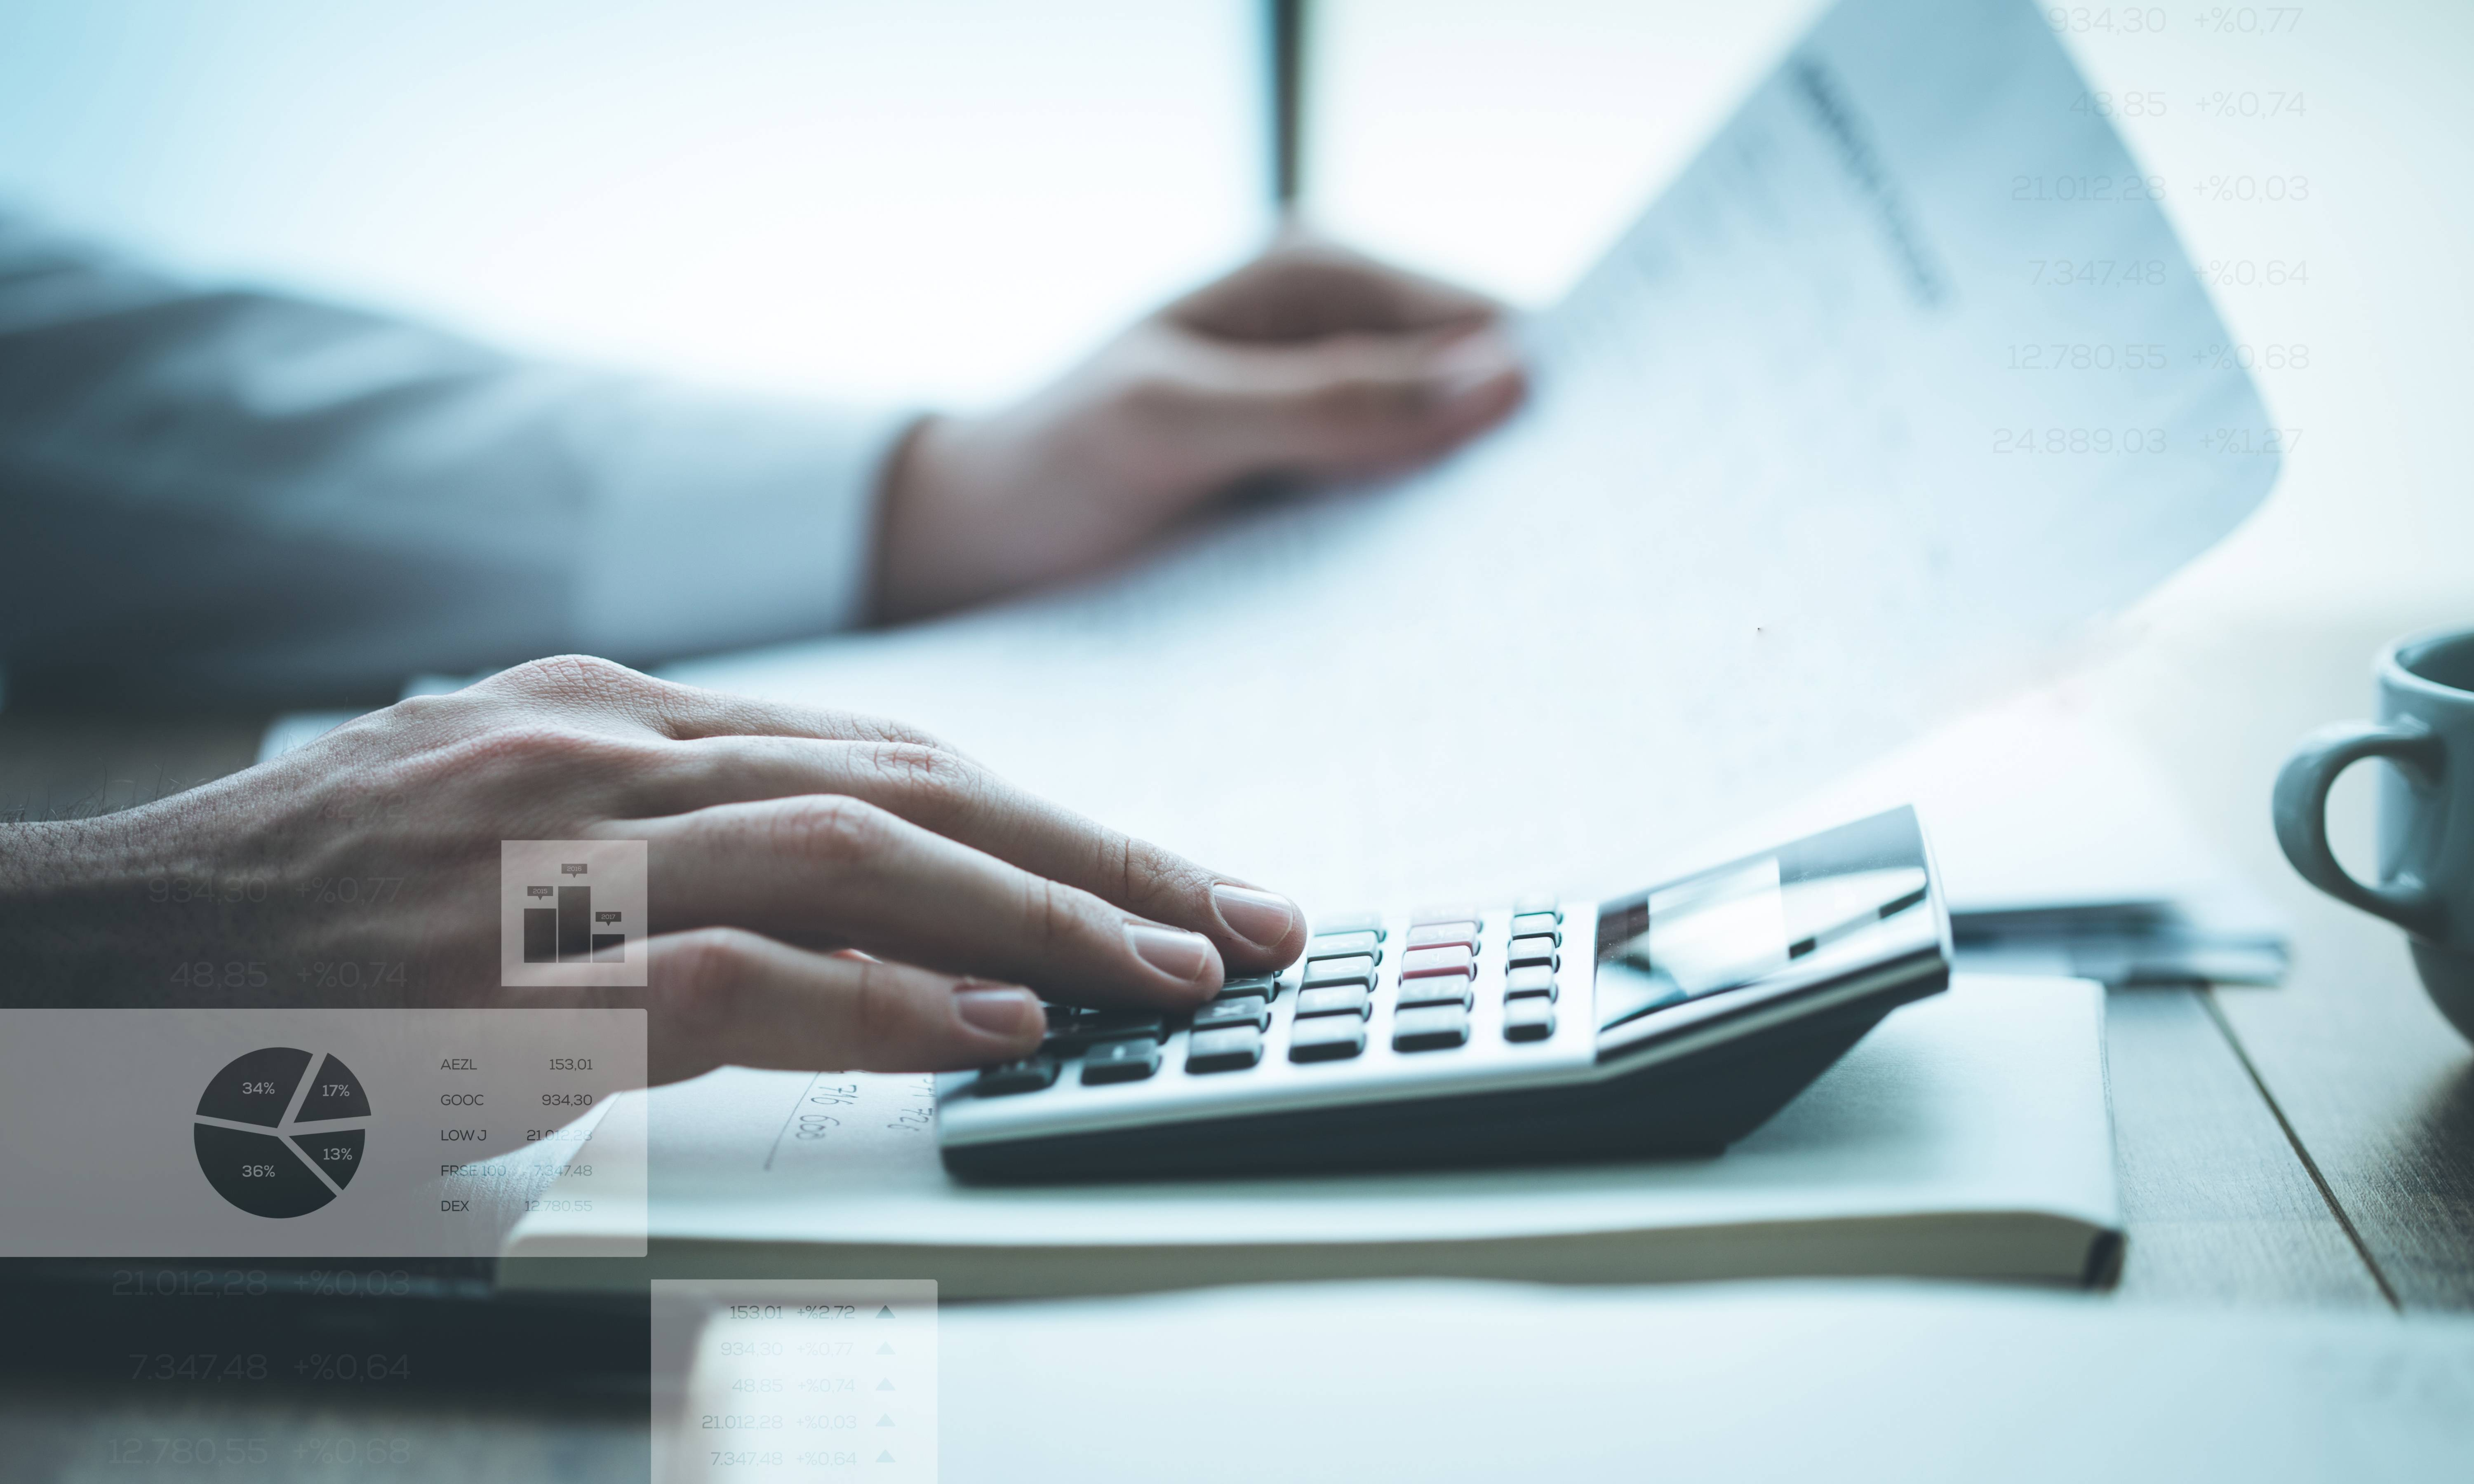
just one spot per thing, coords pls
(1739, 923)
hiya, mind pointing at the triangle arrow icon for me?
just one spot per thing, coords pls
(885, 1458)
(886, 1312)
(886, 1348)
(887, 1421)
(885, 1384)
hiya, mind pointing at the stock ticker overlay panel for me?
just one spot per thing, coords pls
(311, 1132)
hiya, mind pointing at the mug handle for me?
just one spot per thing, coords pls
(2300, 807)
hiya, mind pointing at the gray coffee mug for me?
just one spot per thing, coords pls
(2426, 819)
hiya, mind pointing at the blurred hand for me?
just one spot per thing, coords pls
(779, 840)
(1310, 364)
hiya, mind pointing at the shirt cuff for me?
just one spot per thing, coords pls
(720, 521)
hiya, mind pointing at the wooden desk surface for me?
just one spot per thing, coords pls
(2306, 1145)
(2371, 1090)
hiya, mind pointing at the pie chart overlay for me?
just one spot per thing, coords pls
(277, 1141)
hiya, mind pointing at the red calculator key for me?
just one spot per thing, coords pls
(1425, 963)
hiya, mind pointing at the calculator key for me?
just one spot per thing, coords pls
(1070, 1032)
(1457, 959)
(1235, 1010)
(1327, 1039)
(1431, 1028)
(1110, 1024)
(1441, 990)
(1121, 1061)
(1528, 1020)
(1267, 986)
(1027, 1075)
(1550, 923)
(1456, 912)
(1232, 1049)
(1534, 980)
(1543, 903)
(1440, 934)
(1526, 951)
(1351, 922)
(1336, 944)
(1357, 969)
(1334, 1000)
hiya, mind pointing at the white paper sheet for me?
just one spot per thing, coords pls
(1755, 526)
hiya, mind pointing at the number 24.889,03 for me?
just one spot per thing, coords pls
(204, 976)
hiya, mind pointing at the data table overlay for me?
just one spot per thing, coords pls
(805, 1380)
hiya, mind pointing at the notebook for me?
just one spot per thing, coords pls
(1968, 1136)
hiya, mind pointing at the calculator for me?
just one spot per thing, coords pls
(1668, 1022)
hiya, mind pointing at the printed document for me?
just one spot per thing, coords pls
(1903, 383)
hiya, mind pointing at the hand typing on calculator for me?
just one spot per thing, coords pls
(826, 889)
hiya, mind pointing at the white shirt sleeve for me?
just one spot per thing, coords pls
(720, 521)
(238, 494)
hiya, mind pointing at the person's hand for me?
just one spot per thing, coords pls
(780, 840)
(1310, 364)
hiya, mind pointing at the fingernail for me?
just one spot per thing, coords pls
(1180, 955)
(999, 1011)
(1473, 362)
(1261, 918)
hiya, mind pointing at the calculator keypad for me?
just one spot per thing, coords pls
(1447, 989)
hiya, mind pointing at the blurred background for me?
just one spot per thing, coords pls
(947, 199)
(939, 199)
(876, 201)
